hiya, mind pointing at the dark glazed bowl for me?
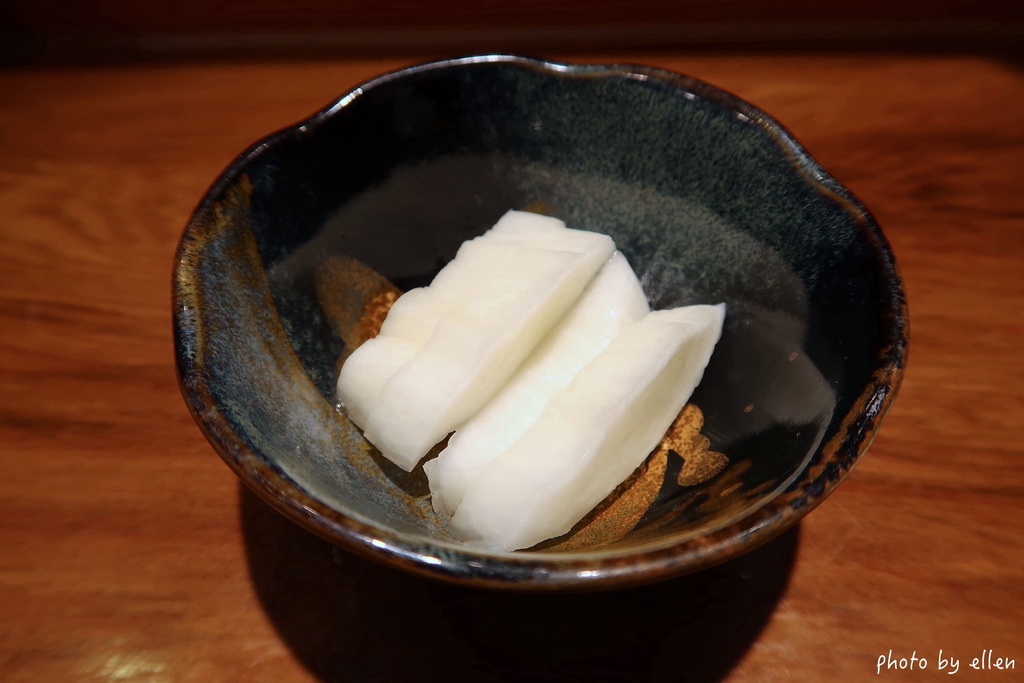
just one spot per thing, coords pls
(708, 197)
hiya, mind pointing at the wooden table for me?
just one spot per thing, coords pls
(128, 551)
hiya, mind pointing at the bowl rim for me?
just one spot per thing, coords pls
(598, 568)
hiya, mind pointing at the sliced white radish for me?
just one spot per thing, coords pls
(539, 231)
(612, 300)
(470, 329)
(366, 371)
(471, 354)
(413, 316)
(592, 434)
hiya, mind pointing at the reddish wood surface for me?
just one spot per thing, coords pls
(128, 553)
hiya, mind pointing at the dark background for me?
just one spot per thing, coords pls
(110, 31)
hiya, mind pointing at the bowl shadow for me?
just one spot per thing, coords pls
(348, 618)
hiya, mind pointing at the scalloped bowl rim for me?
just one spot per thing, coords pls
(600, 567)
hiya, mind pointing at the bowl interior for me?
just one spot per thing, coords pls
(708, 201)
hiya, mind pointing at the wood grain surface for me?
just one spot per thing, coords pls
(129, 553)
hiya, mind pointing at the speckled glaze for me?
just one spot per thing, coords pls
(709, 199)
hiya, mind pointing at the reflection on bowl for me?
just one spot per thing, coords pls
(707, 197)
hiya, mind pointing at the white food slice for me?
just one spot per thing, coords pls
(466, 333)
(482, 266)
(413, 317)
(593, 434)
(468, 280)
(366, 371)
(472, 353)
(539, 231)
(612, 300)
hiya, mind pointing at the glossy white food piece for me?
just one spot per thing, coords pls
(593, 434)
(366, 370)
(612, 300)
(472, 352)
(462, 337)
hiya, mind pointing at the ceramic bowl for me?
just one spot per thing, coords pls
(707, 196)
